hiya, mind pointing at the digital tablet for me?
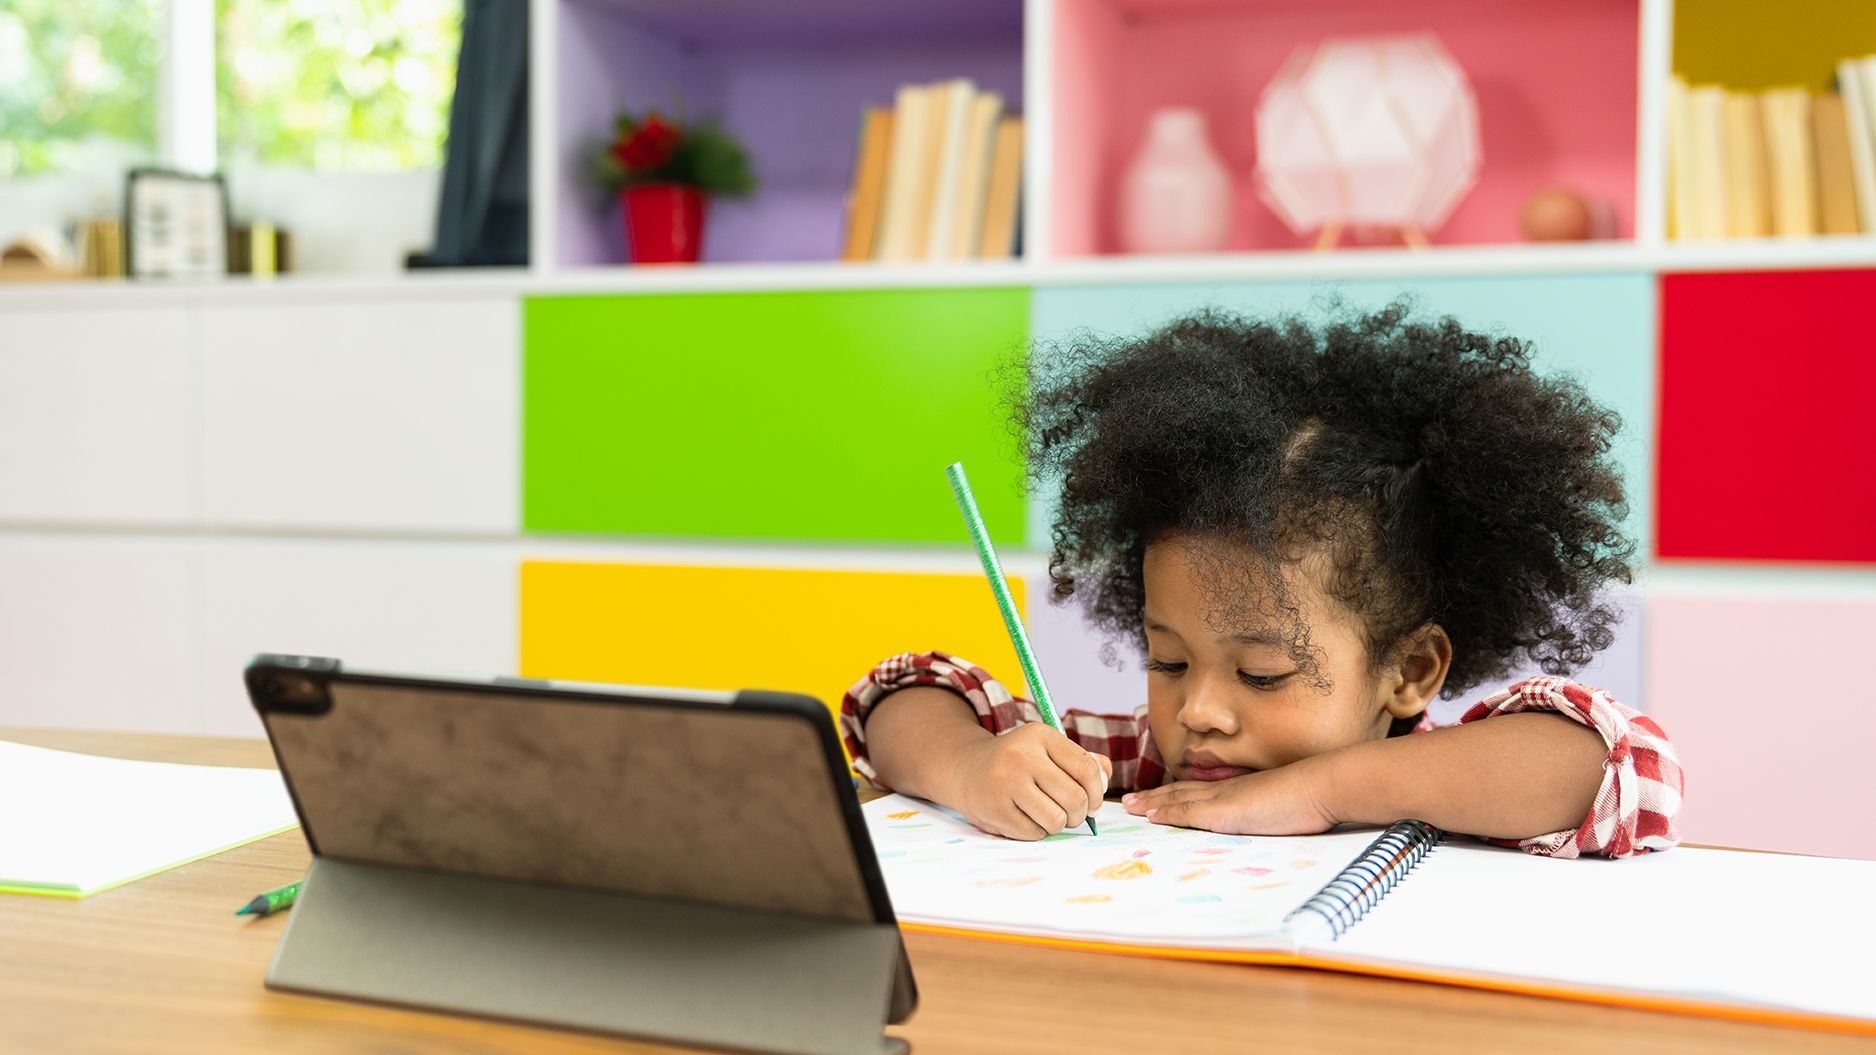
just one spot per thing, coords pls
(738, 800)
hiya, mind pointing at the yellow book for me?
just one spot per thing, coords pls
(1836, 181)
(1857, 117)
(960, 102)
(1791, 161)
(1706, 163)
(974, 177)
(1748, 208)
(906, 172)
(1680, 186)
(865, 202)
(1003, 202)
(950, 107)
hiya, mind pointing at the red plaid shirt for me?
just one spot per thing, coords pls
(1633, 812)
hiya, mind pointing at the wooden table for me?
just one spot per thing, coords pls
(164, 965)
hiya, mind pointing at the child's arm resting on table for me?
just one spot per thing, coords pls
(1558, 751)
(931, 725)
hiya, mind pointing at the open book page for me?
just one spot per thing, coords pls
(1735, 928)
(1149, 884)
(75, 824)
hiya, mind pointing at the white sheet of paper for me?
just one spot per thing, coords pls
(1135, 881)
(1768, 929)
(72, 823)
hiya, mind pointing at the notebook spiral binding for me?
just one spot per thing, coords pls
(1356, 889)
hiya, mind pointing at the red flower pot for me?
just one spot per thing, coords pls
(663, 223)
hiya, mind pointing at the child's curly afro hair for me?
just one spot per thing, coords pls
(1446, 481)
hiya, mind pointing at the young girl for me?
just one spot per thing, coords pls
(1310, 533)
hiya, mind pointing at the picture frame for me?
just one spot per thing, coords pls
(175, 225)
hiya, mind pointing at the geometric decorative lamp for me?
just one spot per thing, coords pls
(1367, 131)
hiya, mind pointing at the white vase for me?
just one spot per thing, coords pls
(1176, 195)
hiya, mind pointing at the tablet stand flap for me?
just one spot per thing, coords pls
(695, 974)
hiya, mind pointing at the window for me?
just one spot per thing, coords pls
(358, 85)
(361, 85)
(76, 77)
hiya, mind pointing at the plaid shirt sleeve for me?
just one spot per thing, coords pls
(1635, 808)
(1122, 738)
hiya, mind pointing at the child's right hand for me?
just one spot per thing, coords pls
(1030, 782)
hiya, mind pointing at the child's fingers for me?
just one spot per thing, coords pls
(1067, 793)
(1083, 767)
(1039, 807)
(1140, 802)
(1185, 813)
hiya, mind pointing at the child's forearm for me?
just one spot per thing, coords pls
(1513, 776)
(916, 738)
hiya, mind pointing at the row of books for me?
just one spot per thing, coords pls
(937, 176)
(1785, 162)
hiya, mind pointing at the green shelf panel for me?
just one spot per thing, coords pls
(788, 415)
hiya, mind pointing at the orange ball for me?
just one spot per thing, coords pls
(1558, 214)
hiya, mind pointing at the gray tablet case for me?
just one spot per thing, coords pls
(675, 865)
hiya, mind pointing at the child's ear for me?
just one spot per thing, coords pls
(1423, 659)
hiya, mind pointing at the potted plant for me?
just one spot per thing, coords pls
(664, 174)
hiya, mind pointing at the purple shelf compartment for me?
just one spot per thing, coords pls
(792, 85)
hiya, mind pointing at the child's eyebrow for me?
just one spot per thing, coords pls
(1252, 637)
(1262, 637)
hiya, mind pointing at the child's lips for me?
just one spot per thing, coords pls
(1215, 772)
(1203, 765)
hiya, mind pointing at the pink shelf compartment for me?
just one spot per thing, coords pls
(1556, 83)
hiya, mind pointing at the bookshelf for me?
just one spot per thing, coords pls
(166, 429)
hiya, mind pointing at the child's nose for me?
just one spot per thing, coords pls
(1207, 707)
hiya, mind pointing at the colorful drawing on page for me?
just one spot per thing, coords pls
(1211, 850)
(902, 815)
(954, 842)
(1252, 871)
(1230, 842)
(1009, 882)
(1089, 899)
(1141, 853)
(1194, 874)
(1302, 862)
(1133, 869)
(1269, 886)
(1199, 899)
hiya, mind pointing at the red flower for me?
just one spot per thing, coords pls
(649, 146)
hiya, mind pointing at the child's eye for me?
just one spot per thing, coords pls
(1164, 667)
(1261, 681)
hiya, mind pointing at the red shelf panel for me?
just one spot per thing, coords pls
(1767, 430)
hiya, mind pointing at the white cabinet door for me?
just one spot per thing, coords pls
(371, 417)
(98, 633)
(96, 417)
(420, 607)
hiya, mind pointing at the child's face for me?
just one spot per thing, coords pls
(1221, 703)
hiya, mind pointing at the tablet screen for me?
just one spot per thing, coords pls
(725, 805)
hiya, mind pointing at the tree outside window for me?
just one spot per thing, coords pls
(359, 85)
(76, 75)
(355, 85)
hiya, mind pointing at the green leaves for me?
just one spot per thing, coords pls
(706, 156)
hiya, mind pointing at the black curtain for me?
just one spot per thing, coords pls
(482, 214)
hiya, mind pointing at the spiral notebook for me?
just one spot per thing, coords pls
(1710, 932)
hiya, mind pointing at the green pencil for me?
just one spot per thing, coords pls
(993, 570)
(271, 902)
